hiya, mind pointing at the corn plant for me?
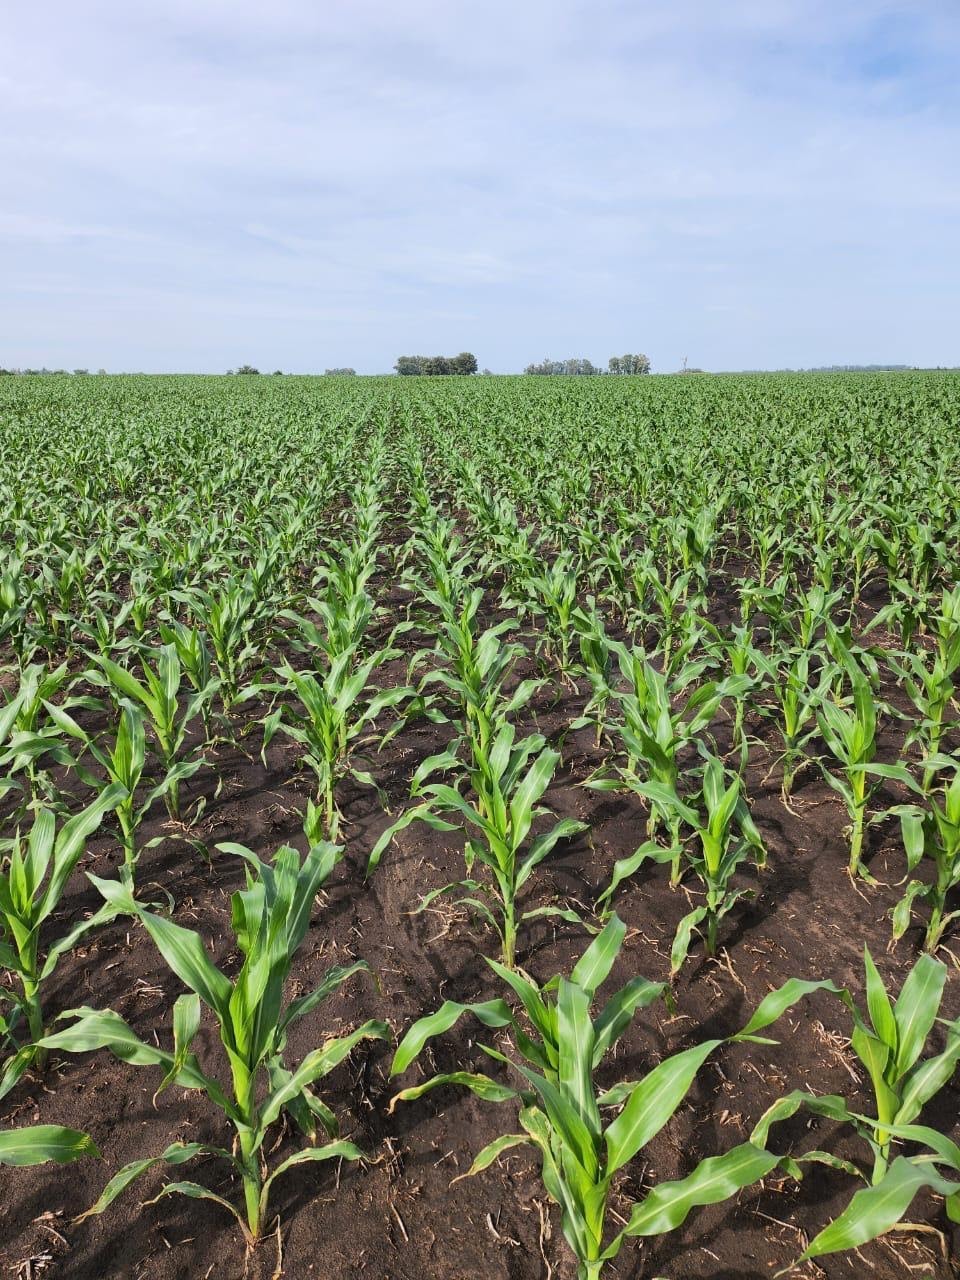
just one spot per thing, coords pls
(889, 1040)
(557, 1050)
(738, 652)
(448, 566)
(329, 715)
(931, 831)
(653, 735)
(724, 837)
(33, 877)
(105, 628)
(232, 617)
(806, 615)
(474, 667)
(269, 920)
(15, 609)
(507, 778)
(553, 594)
(194, 655)
(928, 679)
(597, 663)
(122, 758)
(850, 734)
(797, 698)
(344, 625)
(27, 744)
(158, 695)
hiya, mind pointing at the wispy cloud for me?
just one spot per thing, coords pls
(300, 185)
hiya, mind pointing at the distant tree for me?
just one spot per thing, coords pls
(246, 369)
(628, 364)
(101, 372)
(81, 373)
(463, 364)
(486, 373)
(574, 367)
(278, 373)
(340, 373)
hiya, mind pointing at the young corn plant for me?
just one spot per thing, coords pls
(929, 680)
(33, 876)
(850, 734)
(254, 1015)
(738, 653)
(653, 735)
(931, 831)
(232, 617)
(194, 655)
(507, 779)
(797, 698)
(724, 836)
(597, 663)
(158, 695)
(329, 715)
(28, 745)
(474, 666)
(122, 757)
(344, 626)
(448, 573)
(553, 594)
(557, 1051)
(889, 1040)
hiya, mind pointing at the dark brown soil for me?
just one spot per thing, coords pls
(397, 1216)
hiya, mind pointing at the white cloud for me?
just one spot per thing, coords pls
(567, 176)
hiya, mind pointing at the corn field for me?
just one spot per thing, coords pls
(514, 820)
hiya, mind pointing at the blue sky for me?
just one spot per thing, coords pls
(191, 184)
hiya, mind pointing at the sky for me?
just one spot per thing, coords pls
(188, 185)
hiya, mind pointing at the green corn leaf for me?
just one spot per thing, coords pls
(784, 997)
(176, 1153)
(492, 1152)
(186, 955)
(310, 1155)
(478, 1084)
(593, 967)
(714, 1180)
(652, 1102)
(623, 868)
(830, 1105)
(916, 1009)
(876, 1209)
(194, 1191)
(683, 936)
(492, 1013)
(319, 1063)
(575, 1040)
(878, 1004)
(544, 845)
(42, 1142)
(618, 1012)
(331, 980)
(928, 1078)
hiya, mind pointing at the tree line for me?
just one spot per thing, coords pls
(629, 364)
(463, 364)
